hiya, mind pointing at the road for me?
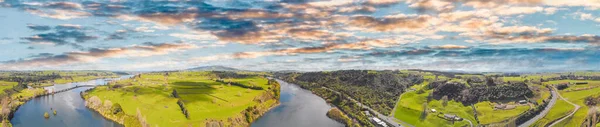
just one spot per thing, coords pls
(390, 120)
(544, 112)
(397, 103)
(470, 122)
(571, 114)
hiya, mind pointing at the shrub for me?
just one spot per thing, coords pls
(175, 94)
(46, 115)
(94, 102)
(562, 86)
(183, 109)
(116, 108)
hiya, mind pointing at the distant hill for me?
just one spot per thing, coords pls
(214, 68)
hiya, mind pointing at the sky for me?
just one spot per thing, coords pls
(303, 35)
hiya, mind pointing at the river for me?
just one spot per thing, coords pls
(70, 108)
(298, 108)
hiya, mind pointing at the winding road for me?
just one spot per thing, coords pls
(544, 112)
(571, 114)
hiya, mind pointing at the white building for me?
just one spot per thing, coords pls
(378, 121)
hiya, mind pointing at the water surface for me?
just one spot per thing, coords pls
(70, 108)
(299, 108)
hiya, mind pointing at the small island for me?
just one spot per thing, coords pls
(46, 115)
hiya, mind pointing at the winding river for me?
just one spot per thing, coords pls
(70, 108)
(299, 108)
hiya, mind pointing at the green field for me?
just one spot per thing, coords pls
(487, 114)
(204, 98)
(410, 107)
(6, 85)
(578, 97)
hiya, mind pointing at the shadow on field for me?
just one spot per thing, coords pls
(195, 91)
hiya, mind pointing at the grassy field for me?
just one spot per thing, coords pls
(487, 114)
(410, 107)
(578, 97)
(561, 108)
(204, 98)
(6, 85)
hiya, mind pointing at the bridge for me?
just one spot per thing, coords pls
(67, 89)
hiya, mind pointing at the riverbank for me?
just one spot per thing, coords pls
(26, 95)
(19, 99)
(297, 106)
(106, 112)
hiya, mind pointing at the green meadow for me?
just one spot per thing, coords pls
(6, 85)
(204, 98)
(410, 108)
(488, 115)
(578, 97)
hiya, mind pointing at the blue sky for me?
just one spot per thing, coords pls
(449, 35)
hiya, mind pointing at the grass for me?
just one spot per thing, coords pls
(410, 106)
(6, 85)
(578, 97)
(203, 97)
(487, 114)
(560, 109)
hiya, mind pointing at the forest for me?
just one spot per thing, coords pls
(377, 89)
(470, 95)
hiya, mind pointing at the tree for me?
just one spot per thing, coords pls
(46, 115)
(107, 104)
(94, 102)
(445, 100)
(175, 94)
(116, 108)
(424, 113)
(5, 107)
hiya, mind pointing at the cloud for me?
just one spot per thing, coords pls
(496, 3)
(401, 22)
(61, 37)
(165, 15)
(199, 36)
(257, 14)
(362, 45)
(357, 9)
(449, 46)
(382, 2)
(59, 14)
(67, 27)
(431, 5)
(38, 27)
(331, 3)
(571, 38)
(95, 54)
(63, 5)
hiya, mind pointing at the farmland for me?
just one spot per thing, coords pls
(156, 97)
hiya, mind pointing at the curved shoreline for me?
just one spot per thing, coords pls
(110, 118)
(47, 93)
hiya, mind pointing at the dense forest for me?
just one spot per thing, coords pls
(476, 93)
(377, 89)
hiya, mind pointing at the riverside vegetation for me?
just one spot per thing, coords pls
(213, 99)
